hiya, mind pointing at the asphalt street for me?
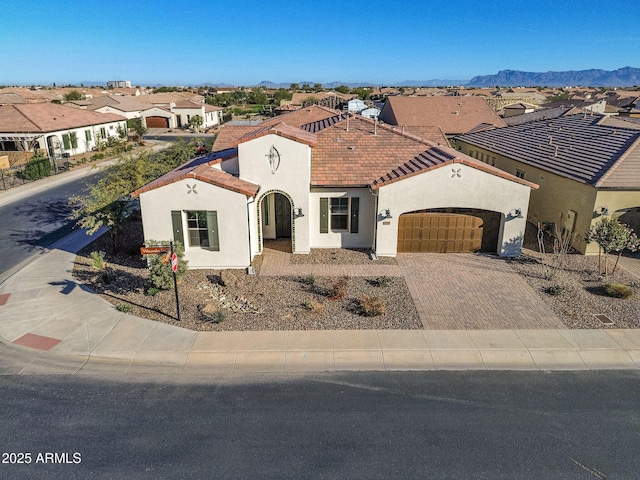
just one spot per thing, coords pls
(467, 425)
(39, 219)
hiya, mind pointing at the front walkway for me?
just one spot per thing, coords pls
(450, 291)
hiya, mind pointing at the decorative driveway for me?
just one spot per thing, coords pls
(470, 291)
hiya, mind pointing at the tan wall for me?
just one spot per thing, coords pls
(555, 197)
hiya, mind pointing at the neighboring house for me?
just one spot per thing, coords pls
(454, 115)
(371, 112)
(185, 111)
(56, 129)
(339, 181)
(519, 108)
(129, 107)
(119, 84)
(586, 166)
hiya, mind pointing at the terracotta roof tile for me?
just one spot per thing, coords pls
(49, 117)
(201, 168)
(453, 115)
(281, 129)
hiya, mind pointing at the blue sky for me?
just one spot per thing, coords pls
(244, 42)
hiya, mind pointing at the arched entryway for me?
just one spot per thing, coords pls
(276, 221)
(449, 230)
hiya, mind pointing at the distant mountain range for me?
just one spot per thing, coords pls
(622, 77)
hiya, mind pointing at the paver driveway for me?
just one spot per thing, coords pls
(472, 291)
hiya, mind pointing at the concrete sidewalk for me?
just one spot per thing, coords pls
(51, 324)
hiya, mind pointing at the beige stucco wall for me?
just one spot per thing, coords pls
(366, 219)
(292, 178)
(555, 197)
(455, 186)
(233, 227)
(558, 195)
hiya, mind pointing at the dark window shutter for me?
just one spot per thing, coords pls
(355, 204)
(212, 225)
(324, 215)
(66, 142)
(176, 220)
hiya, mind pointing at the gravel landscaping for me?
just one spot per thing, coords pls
(247, 302)
(232, 300)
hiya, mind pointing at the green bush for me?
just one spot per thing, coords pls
(152, 291)
(161, 274)
(38, 167)
(382, 282)
(97, 260)
(310, 279)
(124, 308)
(618, 290)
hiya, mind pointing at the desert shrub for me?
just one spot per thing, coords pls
(310, 279)
(152, 291)
(339, 289)
(313, 306)
(212, 313)
(38, 167)
(97, 260)
(382, 282)
(618, 290)
(554, 290)
(124, 308)
(372, 306)
(160, 274)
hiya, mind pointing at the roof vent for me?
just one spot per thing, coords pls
(352, 147)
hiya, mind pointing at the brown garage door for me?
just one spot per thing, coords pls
(439, 232)
(157, 122)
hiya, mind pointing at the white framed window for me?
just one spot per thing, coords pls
(197, 231)
(520, 173)
(339, 210)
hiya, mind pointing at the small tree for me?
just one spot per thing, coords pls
(611, 236)
(138, 127)
(160, 271)
(196, 123)
(73, 95)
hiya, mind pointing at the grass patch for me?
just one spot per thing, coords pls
(618, 290)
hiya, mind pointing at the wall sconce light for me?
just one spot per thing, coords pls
(604, 211)
(515, 213)
(386, 213)
(297, 212)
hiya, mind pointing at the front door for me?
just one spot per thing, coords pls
(283, 216)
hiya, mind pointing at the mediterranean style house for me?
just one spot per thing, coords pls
(56, 129)
(587, 167)
(325, 179)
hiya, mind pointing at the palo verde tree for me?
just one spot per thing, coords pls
(196, 122)
(611, 236)
(108, 202)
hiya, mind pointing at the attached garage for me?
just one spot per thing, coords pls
(439, 232)
(157, 122)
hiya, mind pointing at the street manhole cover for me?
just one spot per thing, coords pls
(604, 319)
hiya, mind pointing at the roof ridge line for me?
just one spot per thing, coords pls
(618, 162)
(27, 118)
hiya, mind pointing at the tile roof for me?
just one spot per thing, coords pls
(377, 155)
(229, 135)
(49, 117)
(580, 147)
(281, 129)
(302, 116)
(438, 156)
(122, 103)
(542, 114)
(200, 168)
(452, 114)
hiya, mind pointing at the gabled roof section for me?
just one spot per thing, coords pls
(454, 115)
(200, 168)
(302, 116)
(49, 117)
(229, 135)
(283, 130)
(438, 156)
(578, 147)
(122, 103)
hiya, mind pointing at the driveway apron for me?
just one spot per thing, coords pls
(472, 291)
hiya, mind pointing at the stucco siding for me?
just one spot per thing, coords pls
(366, 219)
(555, 197)
(233, 225)
(455, 186)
